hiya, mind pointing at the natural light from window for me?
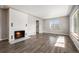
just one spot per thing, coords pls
(55, 24)
(52, 40)
(60, 42)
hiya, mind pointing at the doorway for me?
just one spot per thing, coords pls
(37, 26)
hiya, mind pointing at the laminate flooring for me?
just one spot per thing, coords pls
(41, 43)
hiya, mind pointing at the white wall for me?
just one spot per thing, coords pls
(19, 20)
(41, 26)
(3, 24)
(64, 21)
(0, 23)
(31, 25)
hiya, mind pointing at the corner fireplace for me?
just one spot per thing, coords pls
(19, 34)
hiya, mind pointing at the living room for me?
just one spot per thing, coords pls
(41, 29)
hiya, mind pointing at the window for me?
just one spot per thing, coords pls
(55, 24)
(76, 22)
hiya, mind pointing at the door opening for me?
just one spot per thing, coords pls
(37, 26)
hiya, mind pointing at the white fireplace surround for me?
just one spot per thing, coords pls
(20, 39)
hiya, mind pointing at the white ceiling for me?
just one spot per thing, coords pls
(45, 11)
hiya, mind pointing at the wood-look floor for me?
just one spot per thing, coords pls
(42, 43)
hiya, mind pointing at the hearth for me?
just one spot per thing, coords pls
(19, 34)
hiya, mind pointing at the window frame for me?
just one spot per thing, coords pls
(73, 21)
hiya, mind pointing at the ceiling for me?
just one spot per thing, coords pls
(45, 11)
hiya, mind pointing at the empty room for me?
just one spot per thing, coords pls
(39, 28)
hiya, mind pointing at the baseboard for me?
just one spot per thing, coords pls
(3, 39)
(56, 33)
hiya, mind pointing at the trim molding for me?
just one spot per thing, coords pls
(57, 33)
(3, 39)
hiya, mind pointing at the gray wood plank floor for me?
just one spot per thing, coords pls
(41, 43)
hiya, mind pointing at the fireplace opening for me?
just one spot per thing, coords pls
(19, 34)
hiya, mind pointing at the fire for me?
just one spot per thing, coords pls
(18, 33)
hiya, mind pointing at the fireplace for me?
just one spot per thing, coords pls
(19, 34)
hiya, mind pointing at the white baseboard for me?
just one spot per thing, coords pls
(3, 39)
(57, 33)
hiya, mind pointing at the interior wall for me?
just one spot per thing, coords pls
(40, 25)
(0, 23)
(31, 25)
(19, 20)
(64, 22)
(3, 24)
